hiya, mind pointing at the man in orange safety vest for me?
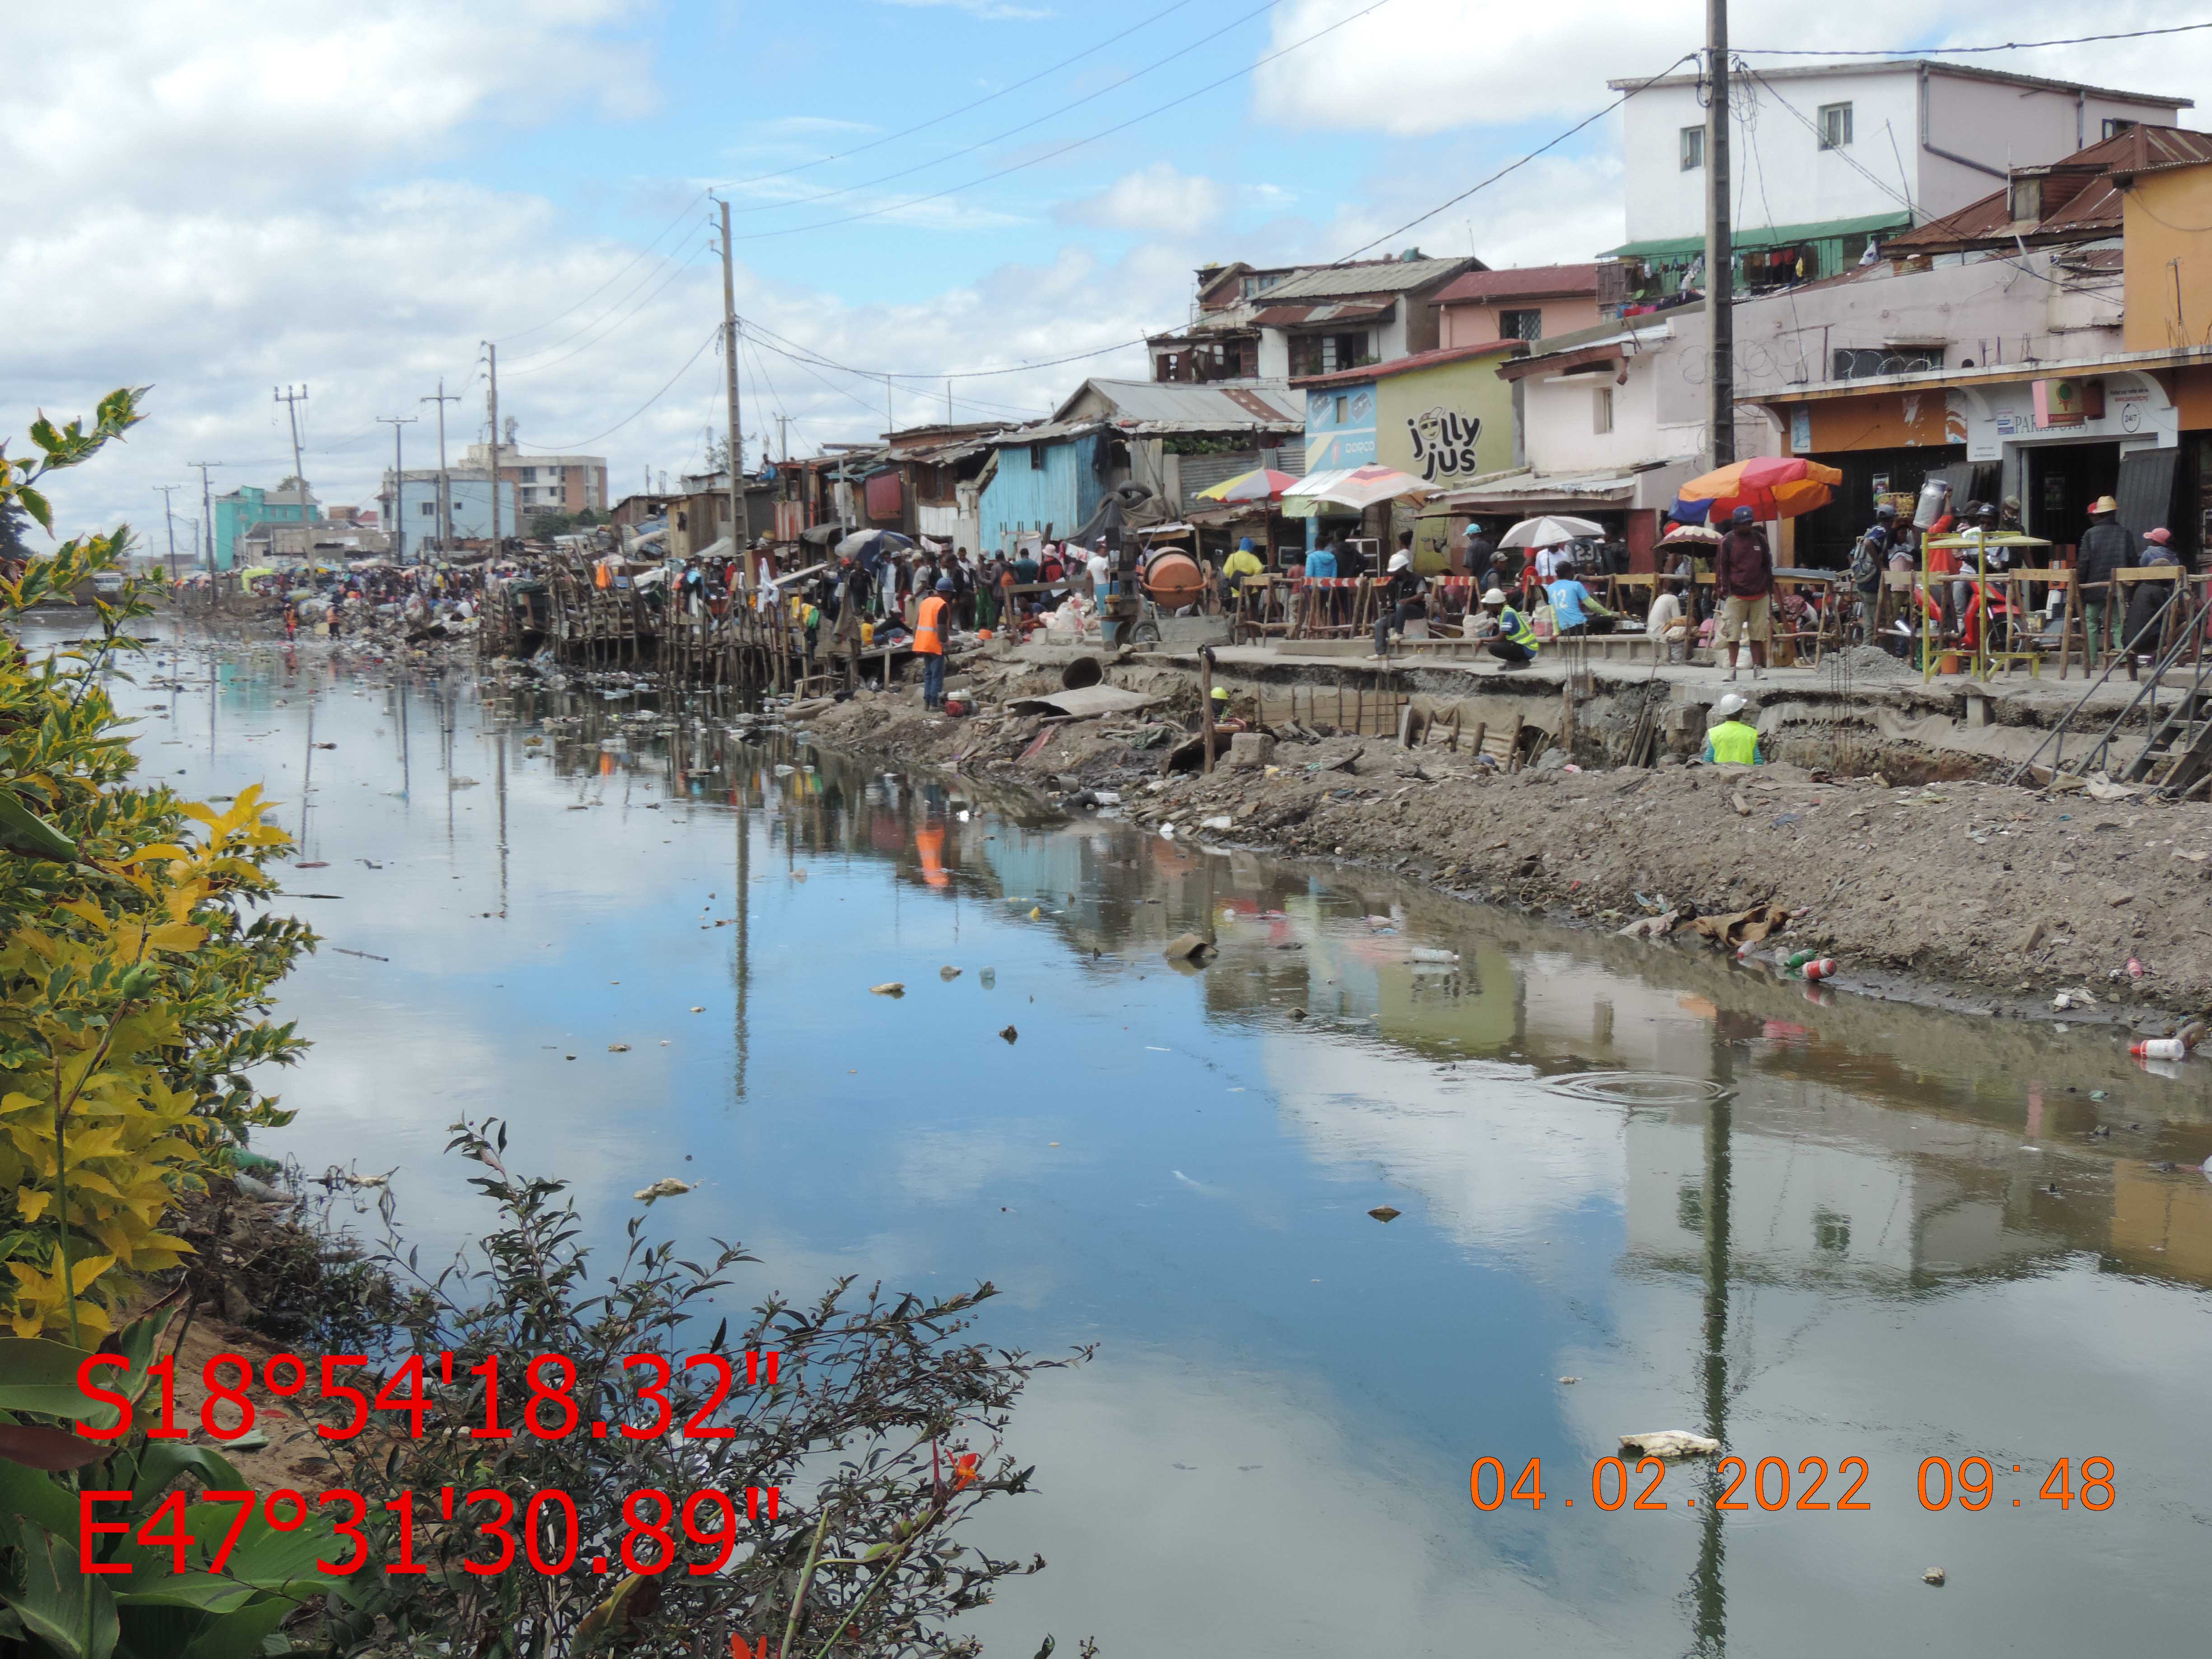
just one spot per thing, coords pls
(932, 619)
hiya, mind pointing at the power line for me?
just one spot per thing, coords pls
(858, 150)
(1052, 114)
(1956, 51)
(539, 369)
(1515, 166)
(577, 445)
(937, 373)
(1074, 144)
(937, 120)
(684, 214)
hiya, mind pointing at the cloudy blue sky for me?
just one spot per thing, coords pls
(216, 198)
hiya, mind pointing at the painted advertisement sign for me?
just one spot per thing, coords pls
(1339, 428)
(1447, 425)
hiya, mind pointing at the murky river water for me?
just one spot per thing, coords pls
(1832, 1229)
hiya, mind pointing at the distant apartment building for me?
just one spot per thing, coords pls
(242, 508)
(542, 483)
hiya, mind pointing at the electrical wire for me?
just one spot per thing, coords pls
(577, 445)
(1053, 114)
(1515, 166)
(540, 368)
(936, 120)
(1074, 144)
(1956, 51)
(642, 253)
(938, 374)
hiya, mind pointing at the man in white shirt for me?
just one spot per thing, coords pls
(1665, 623)
(1100, 568)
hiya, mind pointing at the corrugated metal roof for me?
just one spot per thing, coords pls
(1293, 316)
(1382, 277)
(1173, 406)
(1413, 365)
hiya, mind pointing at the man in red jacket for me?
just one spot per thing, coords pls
(1743, 574)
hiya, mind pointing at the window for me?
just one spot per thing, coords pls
(1521, 325)
(1693, 149)
(2115, 126)
(1601, 409)
(1036, 458)
(1341, 402)
(1835, 126)
(1858, 363)
(429, 509)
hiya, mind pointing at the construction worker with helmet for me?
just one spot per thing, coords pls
(1515, 642)
(1403, 592)
(1733, 741)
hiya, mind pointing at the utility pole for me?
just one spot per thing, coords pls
(492, 352)
(739, 529)
(445, 484)
(889, 425)
(399, 481)
(292, 400)
(783, 427)
(169, 520)
(207, 510)
(948, 400)
(1720, 250)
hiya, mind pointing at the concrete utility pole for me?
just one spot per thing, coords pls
(492, 353)
(740, 530)
(399, 483)
(167, 519)
(292, 400)
(1720, 250)
(207, 510)
(445, 484)
(783, 429)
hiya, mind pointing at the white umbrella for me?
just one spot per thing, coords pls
(1355, 488)
(1549, 532)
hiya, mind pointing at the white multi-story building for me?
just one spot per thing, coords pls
(1826, 157)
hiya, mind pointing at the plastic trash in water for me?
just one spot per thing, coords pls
(2159, 1049)
(1819, 968)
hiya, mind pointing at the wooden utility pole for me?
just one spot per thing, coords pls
(1720, 248)
(738, 528)
(170, 520)
(399, 483)
(491, 353)
(445, 484)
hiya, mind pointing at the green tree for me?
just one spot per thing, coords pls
(546, 525)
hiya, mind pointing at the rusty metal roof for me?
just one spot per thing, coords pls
(1373, 276)
(1525, 283)
(2080, 196)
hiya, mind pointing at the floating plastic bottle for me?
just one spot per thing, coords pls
(1819, 968)
(2159, 1049)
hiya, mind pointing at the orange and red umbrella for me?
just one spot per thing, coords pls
(1771, 486)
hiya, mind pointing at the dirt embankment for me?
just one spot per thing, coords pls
(2002, 895)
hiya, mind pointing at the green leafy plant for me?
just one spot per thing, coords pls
(136, 974)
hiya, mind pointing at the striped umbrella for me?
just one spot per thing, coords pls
(1263, 485)
(1771, 486)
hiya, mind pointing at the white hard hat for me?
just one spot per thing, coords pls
(1496, 596)
(1729, 706)
(1402, 561)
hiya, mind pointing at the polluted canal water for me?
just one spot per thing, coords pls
(1394, 1214)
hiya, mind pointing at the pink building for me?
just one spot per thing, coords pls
(1535, 302)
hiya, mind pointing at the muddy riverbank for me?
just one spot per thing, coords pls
(1972, 893)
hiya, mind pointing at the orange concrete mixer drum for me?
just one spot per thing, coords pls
(1172, 579)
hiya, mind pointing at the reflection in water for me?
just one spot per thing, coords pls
(1807, 1225)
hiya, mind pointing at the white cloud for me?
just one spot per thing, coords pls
(1425, 66)
(1158, 200)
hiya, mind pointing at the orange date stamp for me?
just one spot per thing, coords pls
(1772, 1484)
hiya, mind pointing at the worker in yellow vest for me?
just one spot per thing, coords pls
(1512, 641)
(1734, 741)
(933, 618)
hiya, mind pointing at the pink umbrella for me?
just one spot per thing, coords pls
(1264, 484)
